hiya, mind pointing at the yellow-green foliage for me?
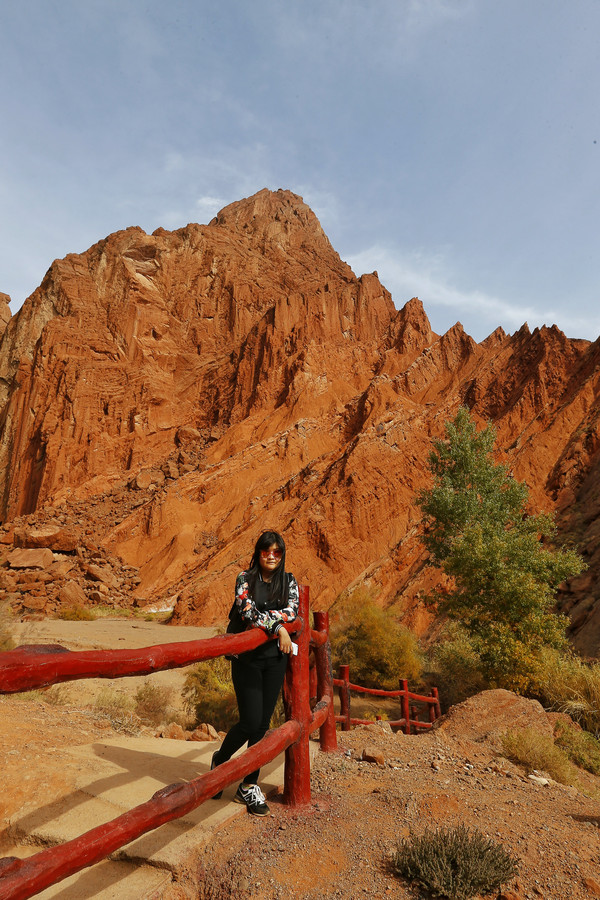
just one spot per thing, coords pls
(581, 747)
(57, 695)
(76, 613)
(111, 701)
(532, 749)
(117, 708)
(569, 684)
(102, 611)
(208, 693)
(377, 648)
(456, 667)
(458, 863)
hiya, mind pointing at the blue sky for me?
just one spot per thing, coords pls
(452, 145)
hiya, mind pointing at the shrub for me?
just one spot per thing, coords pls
(102, 611)
(208, 693)
(536, 751)
(152, 703)
(116, 708)
(581, 747)
(455, 667)
(571, 685)
(56, 695)
(367, 638)
(454, 862)
(76, 614)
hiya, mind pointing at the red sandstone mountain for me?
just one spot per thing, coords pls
(165, 397)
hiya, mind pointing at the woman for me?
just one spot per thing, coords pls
(266, 596)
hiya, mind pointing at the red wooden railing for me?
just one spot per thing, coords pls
(409, 713)
(36, 666)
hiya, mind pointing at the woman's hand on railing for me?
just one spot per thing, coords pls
(284, 641)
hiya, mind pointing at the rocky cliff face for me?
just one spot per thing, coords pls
(165, 397)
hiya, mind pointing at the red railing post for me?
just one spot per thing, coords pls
(405, 705)
(328, 734)
(438, 708)
(432, 715)
(296, 789)
(314, 681)
(414, 713)
(344, 674)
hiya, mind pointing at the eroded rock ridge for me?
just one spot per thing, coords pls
(165, 397)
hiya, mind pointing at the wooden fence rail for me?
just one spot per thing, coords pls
(409, 718)
(29, 667)
(36, 666)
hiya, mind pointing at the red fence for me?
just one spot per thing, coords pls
(410, 715)
(308, 700)
(37, 666)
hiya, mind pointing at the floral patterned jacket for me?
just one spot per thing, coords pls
(271, 620)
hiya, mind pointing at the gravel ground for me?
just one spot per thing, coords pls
(342, 845)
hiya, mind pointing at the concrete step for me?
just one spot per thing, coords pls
(111, 777)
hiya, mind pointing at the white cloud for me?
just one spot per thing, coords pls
(424, 14)
(208, 207)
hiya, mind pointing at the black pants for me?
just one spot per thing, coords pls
(257, 684)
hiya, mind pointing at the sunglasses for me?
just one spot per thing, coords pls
(264, 554)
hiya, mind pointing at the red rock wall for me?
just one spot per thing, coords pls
(238, 376)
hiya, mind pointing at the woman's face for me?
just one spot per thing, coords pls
(268, 561)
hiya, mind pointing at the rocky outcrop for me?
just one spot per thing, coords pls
(170, 395)
(5, 312)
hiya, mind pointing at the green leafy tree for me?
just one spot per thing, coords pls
(504, 568)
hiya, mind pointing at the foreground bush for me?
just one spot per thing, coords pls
(455, 862)
(377, 648)
(533, 750)
(208, 694)
(152, 703)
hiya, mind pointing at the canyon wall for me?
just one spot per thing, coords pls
(166, 397)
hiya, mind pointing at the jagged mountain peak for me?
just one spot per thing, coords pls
(244, 373)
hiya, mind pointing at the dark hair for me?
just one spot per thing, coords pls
(278, 586)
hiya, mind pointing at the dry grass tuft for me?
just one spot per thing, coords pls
(571, 685)
(152, 703)
(535, 751)
(581, 747)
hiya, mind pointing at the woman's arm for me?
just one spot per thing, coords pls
(270, 620)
